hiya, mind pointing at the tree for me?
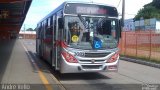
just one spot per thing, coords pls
(156, 3)
(151, 10)
(29, 29)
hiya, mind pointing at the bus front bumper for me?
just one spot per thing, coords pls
(82, 68)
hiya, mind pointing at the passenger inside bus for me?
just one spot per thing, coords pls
(74, 28)
(106, 28)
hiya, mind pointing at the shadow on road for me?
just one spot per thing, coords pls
(81, 76)
(45, 66)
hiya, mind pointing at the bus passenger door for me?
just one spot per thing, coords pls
(41, 42)
(58, 39)
(54, 51)
(55, 43)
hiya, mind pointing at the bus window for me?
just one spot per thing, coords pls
(105, 28)
(38, 30)
(83, 31)
(45, 24)
(54, 27)
(51, 21)
(60, 23)
(48, 32)
(48, 29)
(48, 22)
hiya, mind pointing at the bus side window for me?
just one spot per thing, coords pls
(42, 31)
(38, 30)
(51, 25)
(60, 28)
(60, 23)
(48, 33)
(54, 27)
(48, 29)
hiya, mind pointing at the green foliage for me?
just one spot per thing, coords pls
(29, 29)
(156, 3)
(151, 10)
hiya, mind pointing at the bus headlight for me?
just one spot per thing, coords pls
(69, 58)
(113, 58)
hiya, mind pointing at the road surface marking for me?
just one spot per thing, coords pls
(54, 78)
(40, 73)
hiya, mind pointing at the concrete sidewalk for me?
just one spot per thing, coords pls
(15, 66)
(21, 69)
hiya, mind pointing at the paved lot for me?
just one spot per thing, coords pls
(20, 65)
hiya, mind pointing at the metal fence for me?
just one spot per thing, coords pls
(141, 44)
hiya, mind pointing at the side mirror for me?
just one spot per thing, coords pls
(60, 23)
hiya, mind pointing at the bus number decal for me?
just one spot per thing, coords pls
(79, 53)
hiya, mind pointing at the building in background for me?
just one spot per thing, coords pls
(148, 24)
(27, 35)
(143, 24)
(129, 25)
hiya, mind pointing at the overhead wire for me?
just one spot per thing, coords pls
(119, 3)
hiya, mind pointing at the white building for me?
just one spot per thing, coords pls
(148, 24)
(27, 34)
(129, 25)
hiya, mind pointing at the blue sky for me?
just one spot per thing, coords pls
(40, 8)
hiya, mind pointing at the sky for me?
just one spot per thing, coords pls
(40, 8)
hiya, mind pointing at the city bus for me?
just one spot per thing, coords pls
(80, 37)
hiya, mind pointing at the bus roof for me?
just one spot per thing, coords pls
(67, 2)
(87, 3)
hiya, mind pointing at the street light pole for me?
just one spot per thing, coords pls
(24, 32)
(123, 12)
(122, 22)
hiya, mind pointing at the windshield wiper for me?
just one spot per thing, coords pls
(102, 20)
(82, 20)
(85, 25)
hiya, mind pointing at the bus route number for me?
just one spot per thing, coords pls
(79, 53)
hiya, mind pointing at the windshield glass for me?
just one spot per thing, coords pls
(84, 32)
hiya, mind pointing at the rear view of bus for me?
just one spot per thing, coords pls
(85, 38)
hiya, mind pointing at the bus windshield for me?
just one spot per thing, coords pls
(84, 32)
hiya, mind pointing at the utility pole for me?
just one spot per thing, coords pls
(24, 31)
(123, 12)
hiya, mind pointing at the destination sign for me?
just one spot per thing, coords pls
(90, 9)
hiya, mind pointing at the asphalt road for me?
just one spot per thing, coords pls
(130, 76)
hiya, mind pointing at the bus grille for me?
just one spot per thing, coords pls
(91, 61)
(96, 54)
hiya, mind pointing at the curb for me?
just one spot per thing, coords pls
(139, 61)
